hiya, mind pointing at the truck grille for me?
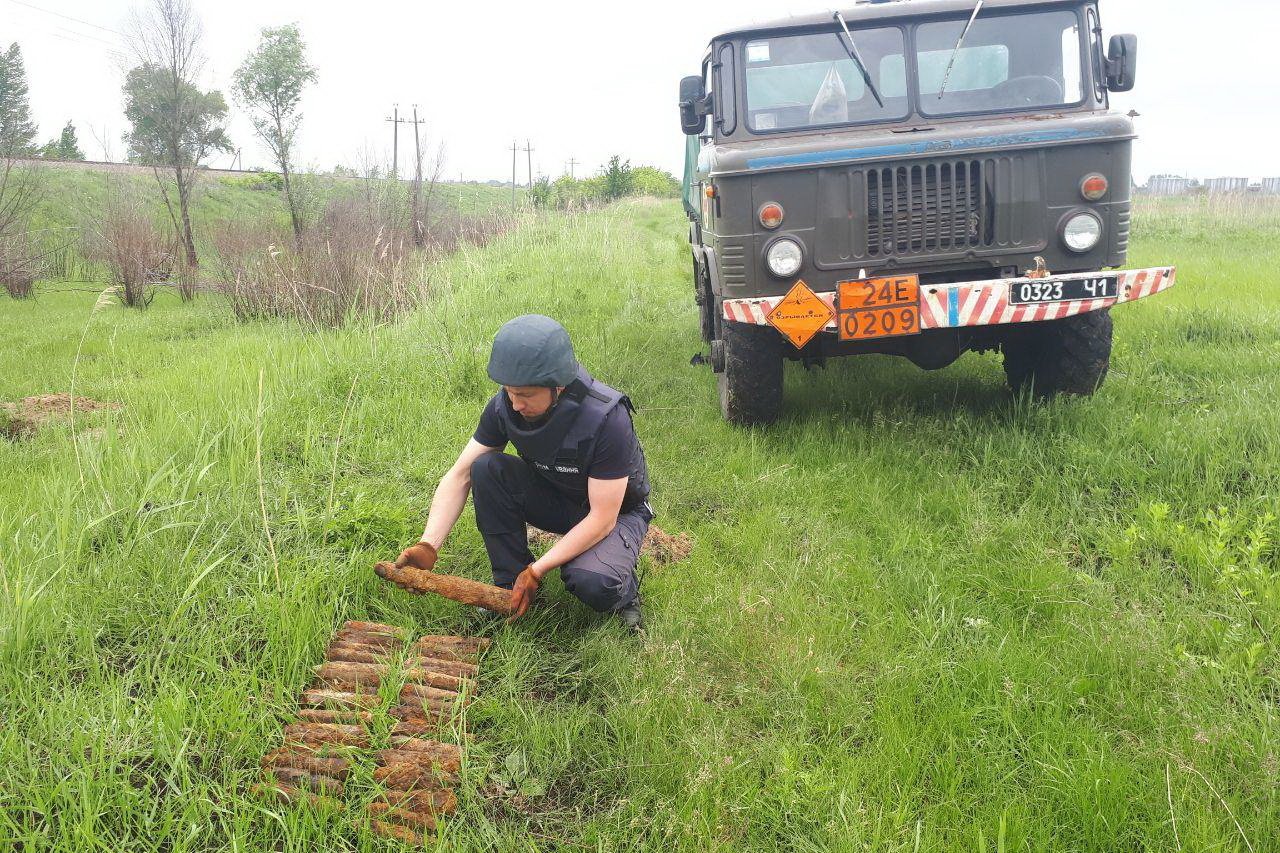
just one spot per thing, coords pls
(928, 207)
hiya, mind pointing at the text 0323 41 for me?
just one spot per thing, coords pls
(1058, 290)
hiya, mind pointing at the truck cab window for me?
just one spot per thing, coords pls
(809, 80)
(726, 111)
(1008, 62)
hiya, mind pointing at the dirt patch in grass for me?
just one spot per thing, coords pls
(660, 546)
(22, 419)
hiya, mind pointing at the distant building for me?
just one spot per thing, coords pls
(1217, 186)
(1167, 185)
(1271, 186)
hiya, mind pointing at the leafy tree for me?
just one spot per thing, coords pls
(649, 180)
(270, 82)
(173, 123)
(618, 179)
(540, 192)
(65, 147)
(17, 130)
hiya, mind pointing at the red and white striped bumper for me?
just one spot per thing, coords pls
(981, 303)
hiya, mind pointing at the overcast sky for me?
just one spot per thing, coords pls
(586, 80)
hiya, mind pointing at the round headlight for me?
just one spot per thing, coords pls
(784, 257)
(1082, 232)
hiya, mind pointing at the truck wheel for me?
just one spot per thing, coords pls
(706, 306)
(1067, 356)
(751, 384)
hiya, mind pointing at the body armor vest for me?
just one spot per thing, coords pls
(560, 448)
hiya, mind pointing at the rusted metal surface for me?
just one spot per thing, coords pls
(331, 733)
(326, 734)
(434, 677)
(333, 766)
(338, 699)
(451, 666)
(320, 715)
(290, 795)
(348, 675)
(458, 589)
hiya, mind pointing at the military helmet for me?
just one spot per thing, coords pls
(532, 350)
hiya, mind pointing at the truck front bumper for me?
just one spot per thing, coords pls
(980, 303)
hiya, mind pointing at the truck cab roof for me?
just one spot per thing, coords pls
(888, 10)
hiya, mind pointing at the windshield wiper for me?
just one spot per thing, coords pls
(952, 61)
(852, 50)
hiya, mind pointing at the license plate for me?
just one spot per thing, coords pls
(883, 307)
(1057, 290)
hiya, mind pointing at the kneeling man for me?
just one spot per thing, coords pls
(580, 472)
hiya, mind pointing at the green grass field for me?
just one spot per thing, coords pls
(919, 614)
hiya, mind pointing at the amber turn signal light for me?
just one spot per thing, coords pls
(1093, 187)
(710, 191)
(771, 215)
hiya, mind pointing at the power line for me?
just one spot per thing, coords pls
(68, 17)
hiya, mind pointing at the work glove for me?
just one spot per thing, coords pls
(420, 556)
(522, 593)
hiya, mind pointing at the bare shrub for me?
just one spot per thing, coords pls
(351, 264)
(19, 264)
(20, 259)
(136, 255)
(357, 261)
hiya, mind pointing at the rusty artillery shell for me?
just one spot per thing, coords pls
(291, 795)
(462, 669)
(411, 693)
(462, 590)
(343, 650)
(303, 779)
(436, 801)
(443, 761)
(313, 734)
(471, 644)
(361, 674)
(415, 727)
(334, 767)
(318, 715)
(445, 753)
(339, 698)
(442, 680)
(409, 776)
(422, 711)
(368, 639)
(399, 833)
(388, 812)
(361, 645)
(375, 628)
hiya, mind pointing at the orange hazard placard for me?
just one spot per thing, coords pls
(878, 307)
(800, 315)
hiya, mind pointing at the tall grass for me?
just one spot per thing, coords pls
(920, 614)
(357, 261)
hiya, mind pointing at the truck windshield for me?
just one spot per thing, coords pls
(1008, 62)
(810, 81)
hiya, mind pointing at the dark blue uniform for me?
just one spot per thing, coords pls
(588, 434)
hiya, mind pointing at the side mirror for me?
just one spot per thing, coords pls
(1122, 62)
(694, 105)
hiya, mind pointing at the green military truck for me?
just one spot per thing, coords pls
(919, 179)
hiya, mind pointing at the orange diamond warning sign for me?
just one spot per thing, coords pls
(800, 315)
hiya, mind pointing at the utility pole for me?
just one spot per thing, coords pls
(395, 141)
(572, 163)
(528, 153)
(513, 174)
(419, 231)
